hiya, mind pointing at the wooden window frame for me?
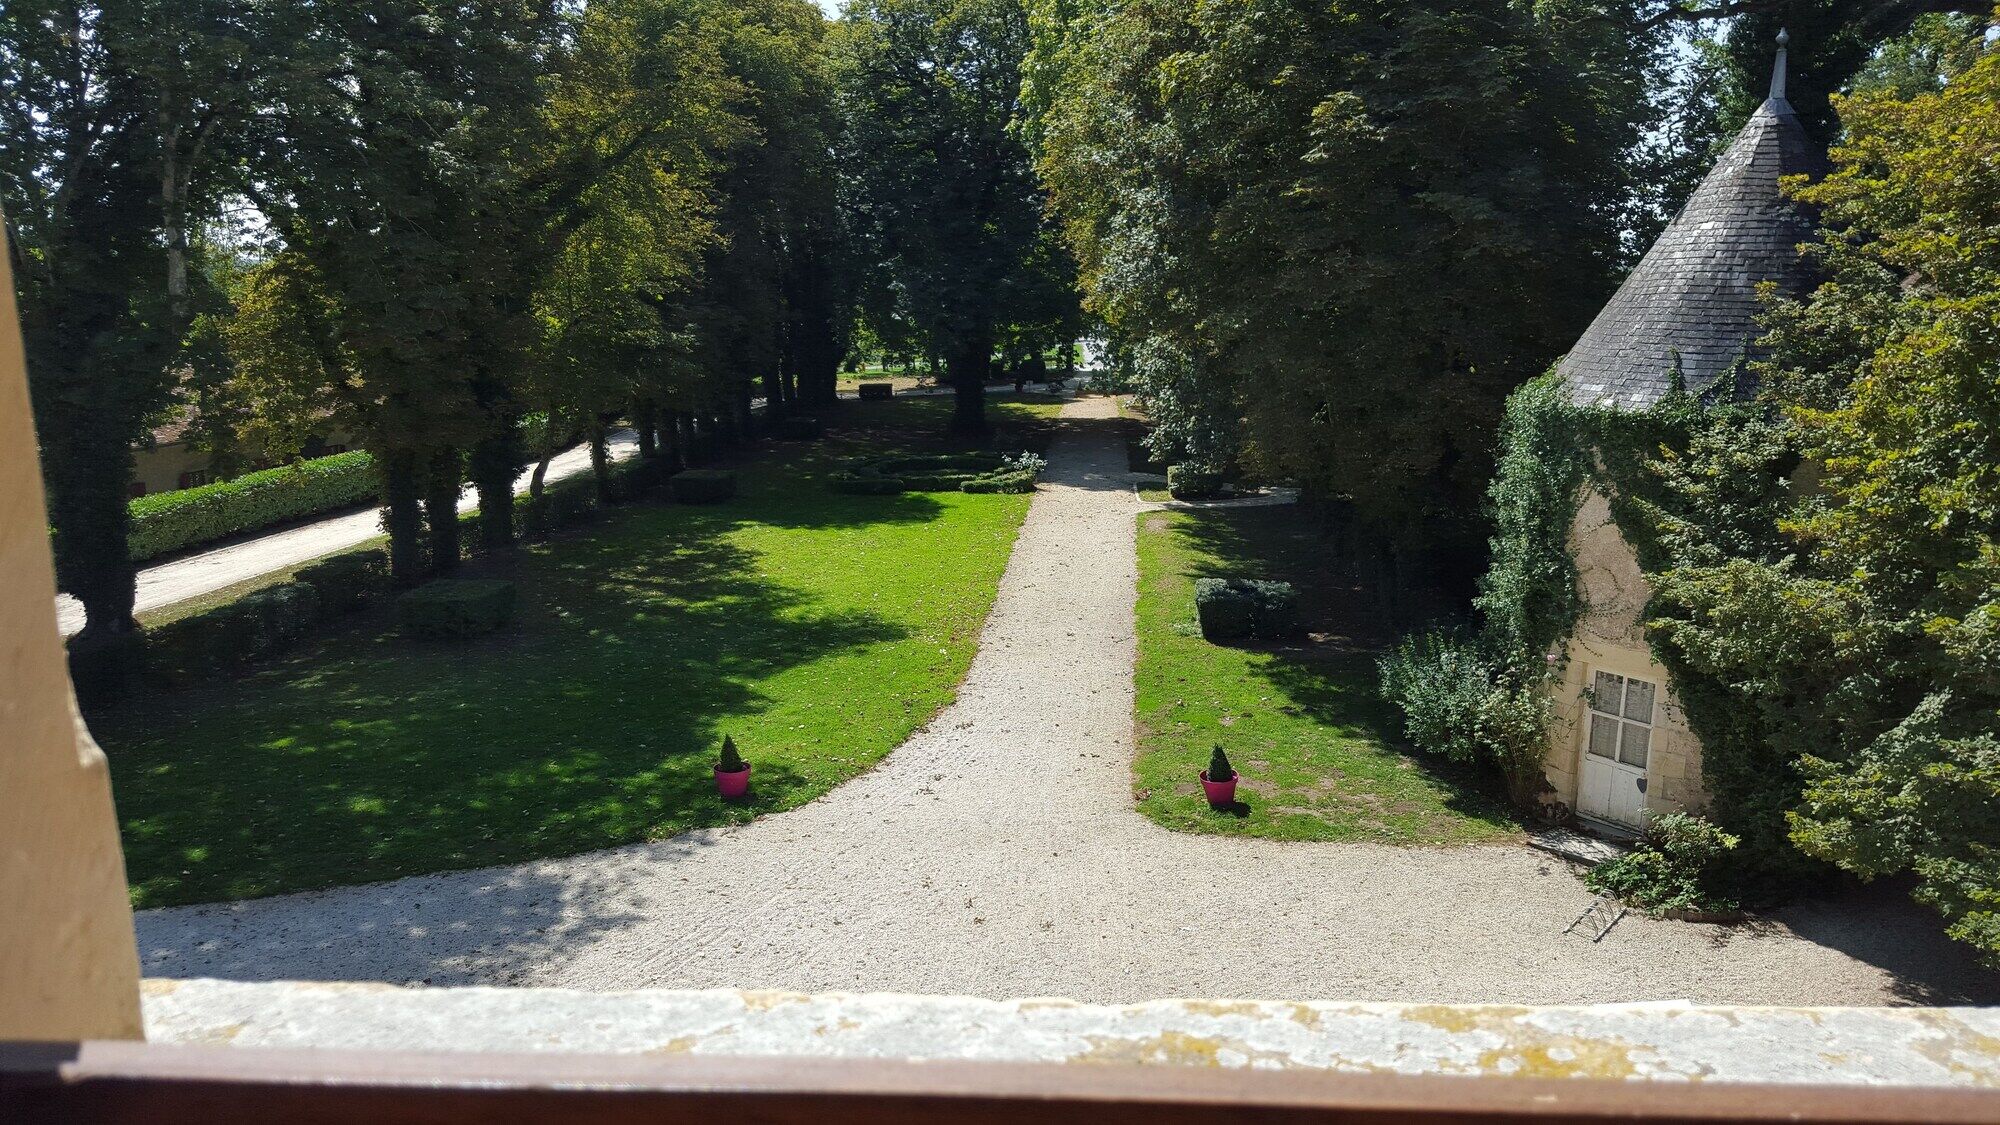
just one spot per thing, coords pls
(1592, 712)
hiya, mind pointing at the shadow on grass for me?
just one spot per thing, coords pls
(515, 925)
(591, 723)
(588, 724)
(1328, 676)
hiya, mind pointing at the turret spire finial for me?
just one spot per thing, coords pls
(1778, 67)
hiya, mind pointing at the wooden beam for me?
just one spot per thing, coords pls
(115, 1081)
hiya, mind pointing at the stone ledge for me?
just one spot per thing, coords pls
(1875, 1046)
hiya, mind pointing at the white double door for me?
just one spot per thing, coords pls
(1617, 739)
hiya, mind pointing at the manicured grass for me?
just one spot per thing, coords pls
(1303, 723)
(818, 629)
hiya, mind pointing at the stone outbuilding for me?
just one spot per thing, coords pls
(1621, 749)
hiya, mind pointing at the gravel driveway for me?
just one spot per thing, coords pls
(997, 854)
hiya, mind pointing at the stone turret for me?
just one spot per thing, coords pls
(1694, 293)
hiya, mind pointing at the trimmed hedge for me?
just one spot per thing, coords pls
(637, 478)
(872, 391)
(568, 501)
(1230, 608)
(345, 582)
(865, 482)
(254, 625)
(917, 464)
(937, 472)
(450, 608)
(702, 486)
(1190, 481)
(1020, 480)
(169, 521)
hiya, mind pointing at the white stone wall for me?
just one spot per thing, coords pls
(1610, 637)
(1662, 1042)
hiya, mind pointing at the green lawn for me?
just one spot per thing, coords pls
(1303, 723)
(818, 629)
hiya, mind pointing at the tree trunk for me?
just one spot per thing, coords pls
(443, 477)
(689, 442)
(541, 473)
(89, 466)
(774, 392)
(402, 516)
(496, 461)
(600, 461)
(645, 417)
(670, 441)
(967, 366)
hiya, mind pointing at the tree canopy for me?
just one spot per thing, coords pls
(1336, 235)
(946, 199)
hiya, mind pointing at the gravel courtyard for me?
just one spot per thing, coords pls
(997, 854)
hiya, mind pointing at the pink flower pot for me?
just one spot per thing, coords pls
(1221, 794)
(732, 785)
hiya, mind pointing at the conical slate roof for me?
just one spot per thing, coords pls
(1694, 293)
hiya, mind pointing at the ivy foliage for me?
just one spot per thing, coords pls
(1890, 376)
(1683, 865)
(1487, 693)
(1824, 558)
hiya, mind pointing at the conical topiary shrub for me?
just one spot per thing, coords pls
(1218, 765)
(732, 773)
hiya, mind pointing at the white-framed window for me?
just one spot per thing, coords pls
(1621, 718)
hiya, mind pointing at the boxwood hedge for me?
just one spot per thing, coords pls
(169, 521)
(253, 626)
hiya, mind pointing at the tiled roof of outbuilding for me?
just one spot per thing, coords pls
(1694, 293)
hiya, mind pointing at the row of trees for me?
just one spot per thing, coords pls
(473, 234)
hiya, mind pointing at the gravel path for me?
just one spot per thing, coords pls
(997, 854)
(191, 576)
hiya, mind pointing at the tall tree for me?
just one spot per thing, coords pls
(1338, 234)
(632, 247)
(117, 137)
(385, 168)
(931, 90)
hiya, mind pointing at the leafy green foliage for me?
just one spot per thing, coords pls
(223, 639)
(1427, 196)
(1887, 373)
(455, 608)
(1457, 700)
(945, 194)
(1229, 608)
(1015, 482)
(977, 472)
(1193, 480)
(730, 761)
(1219, 768)
(168, 521)
(346, 582)
(1682, 865)
(1527, 598)
(866, 481)
(1294, 717)
(119, 129)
